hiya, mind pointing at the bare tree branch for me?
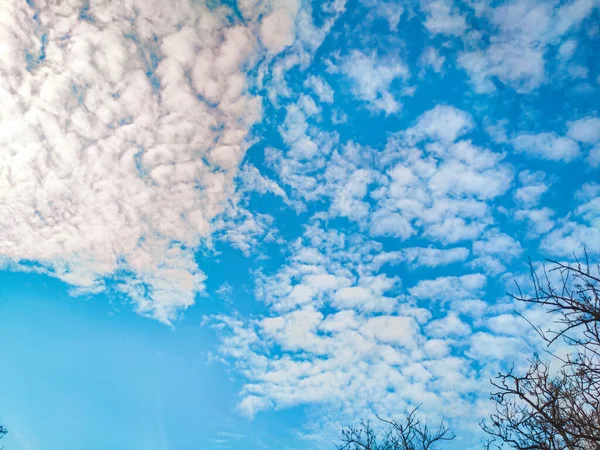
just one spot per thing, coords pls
(409, 434)
(546, 409)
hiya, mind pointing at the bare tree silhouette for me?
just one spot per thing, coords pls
(409, 434)
(550, 408)
(2, 434)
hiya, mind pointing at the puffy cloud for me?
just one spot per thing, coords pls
(392, 330)
(532, 188)
(123, 154)
(121, 140)
(432, 58)
(585, 130)
(515, 53)
(494, 251)
(486, 345)
(277, 30)
(448, 326)
(509, 324)
(254, 181)
(578, 231)
(391, 11)
(594, 156)
(340, 332)
(443, 18)
(349, 358)
(320, 87)
(446, 289)
(294, 132)
(521, 67)
(547, 146)
(244, 230)
(422, 256)
(372, 78)
(441, 190)
(494, 242)
(432, 257)
(567, 48)
(571, 238)
(540, 220)
(444, 123)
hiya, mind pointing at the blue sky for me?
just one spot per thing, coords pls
(247, 224)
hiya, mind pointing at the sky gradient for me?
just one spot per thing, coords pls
(244, 225)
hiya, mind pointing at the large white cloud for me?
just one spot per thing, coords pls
(517, 49)
(121, 129)
(547, 145)
(376, 351)
(372, 78)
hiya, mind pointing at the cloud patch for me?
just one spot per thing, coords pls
(121, 140)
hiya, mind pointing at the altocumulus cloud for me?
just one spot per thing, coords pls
(406, 158)
(392, 295)
(122, 126)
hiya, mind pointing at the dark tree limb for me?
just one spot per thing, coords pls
(558, 409)
(409, 434)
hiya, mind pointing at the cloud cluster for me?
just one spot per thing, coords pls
(517, 46)
(123, 130)
(342, 334)
(122, 127)
(341, 331)
(392, 294)
(372, 78)
(426, 181)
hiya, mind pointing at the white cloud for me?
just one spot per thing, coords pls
(348, 186)
(585, 130)
(116, 168)
(532, 188)
(432, 257)
(294, 131)
(440, 191)
(516, 53)
(594, 156)
(446, 289)
(432, 58)
(589, 197)
(254, 181)
(245, 230)
(422, 256)
(392, 330)
(308, 106)
(547, 146)
(509, 324)
(345, 339)
(567, 48)
(277, 30)
(443, 18)
(496, 243)
(372, 78)
(308, 38)
(494, 251)
(391, 11)
(449, 326)
(384, 223)
(578, 231)
(540, 220)
(444, 123)
(571, 238)
(321, 88)
(521, 67)
(486, 345)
